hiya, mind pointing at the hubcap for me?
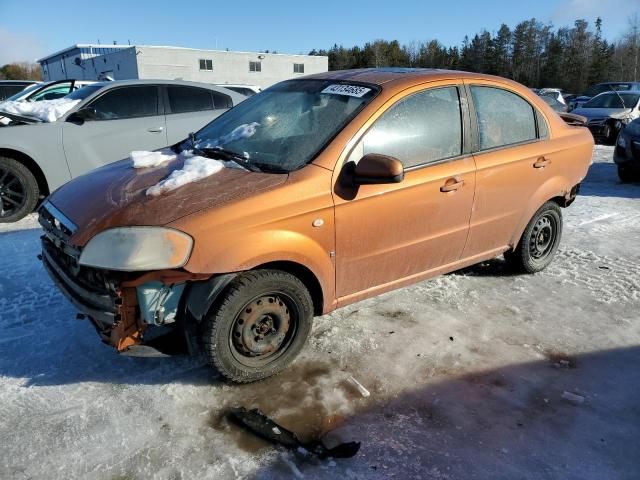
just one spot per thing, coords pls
(260, 330)
(542, 237)
(12, 193)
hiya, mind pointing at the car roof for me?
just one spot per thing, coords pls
(157, 82)
(401, 77)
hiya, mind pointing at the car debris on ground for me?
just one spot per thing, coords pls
(261, 425)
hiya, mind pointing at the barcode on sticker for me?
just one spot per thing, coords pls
(350, 90)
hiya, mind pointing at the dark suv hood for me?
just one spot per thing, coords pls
(115, 195)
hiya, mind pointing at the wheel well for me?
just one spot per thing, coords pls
(30, 163)
(305, 275)
(566, 200)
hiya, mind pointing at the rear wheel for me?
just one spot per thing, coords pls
(539, 242)
(627, 175)
(18, 190)
(258, 326)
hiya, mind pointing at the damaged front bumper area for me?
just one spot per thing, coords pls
(120, 305)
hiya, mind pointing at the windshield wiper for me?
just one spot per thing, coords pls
(224, 154)
(270, 167)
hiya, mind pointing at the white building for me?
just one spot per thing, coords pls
(120, 62)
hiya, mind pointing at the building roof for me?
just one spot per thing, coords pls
(81, 45)
(93, 45)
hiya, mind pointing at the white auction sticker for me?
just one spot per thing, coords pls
(350, 90)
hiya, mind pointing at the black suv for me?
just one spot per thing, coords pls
(9, 88)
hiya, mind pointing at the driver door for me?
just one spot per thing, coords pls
(127, 118)
(390, 233)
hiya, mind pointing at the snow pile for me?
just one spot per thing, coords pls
(45, 110)
(195, 168)
(245, 130)
(145, 159)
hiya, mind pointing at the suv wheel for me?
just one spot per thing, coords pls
(18, 190)
(258, 326)
(627, 175)
(539, 242)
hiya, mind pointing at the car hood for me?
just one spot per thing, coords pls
(602, 112)
(115, 195)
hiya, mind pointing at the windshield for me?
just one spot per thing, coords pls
(611, 100)
(287, 125)
(83, 92)
(25, 92)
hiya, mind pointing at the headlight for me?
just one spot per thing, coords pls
(137, 248)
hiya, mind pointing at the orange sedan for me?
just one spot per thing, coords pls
(316, 193)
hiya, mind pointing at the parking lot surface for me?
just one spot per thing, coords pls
(475, 374)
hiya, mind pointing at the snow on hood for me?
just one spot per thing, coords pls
(145, 159)
(45, 110)
(194, 168)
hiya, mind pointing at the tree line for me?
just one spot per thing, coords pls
(532, 53)
(20, 71)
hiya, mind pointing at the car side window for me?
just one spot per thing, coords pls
(504, 118)
(543, 128)
(127, 102)
(424, 127)
(189, 99)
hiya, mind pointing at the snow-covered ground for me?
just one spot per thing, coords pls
(467, 374)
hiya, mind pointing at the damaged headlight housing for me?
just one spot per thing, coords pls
(132, 249)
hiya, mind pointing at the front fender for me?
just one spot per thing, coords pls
(248, 251)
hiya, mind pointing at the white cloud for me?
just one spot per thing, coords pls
(19, 47)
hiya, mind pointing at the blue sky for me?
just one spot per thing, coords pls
(30, 29)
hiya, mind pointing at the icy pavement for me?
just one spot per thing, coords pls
(472, 375)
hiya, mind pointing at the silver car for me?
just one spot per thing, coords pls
(608, 112)
(105, 122)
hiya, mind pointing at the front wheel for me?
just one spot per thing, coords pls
(258, 326)
(18, 190)
(539, 242)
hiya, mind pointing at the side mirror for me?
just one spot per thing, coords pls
(82, 115)
(374, 168)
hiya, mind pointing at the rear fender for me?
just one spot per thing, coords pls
(556, 187)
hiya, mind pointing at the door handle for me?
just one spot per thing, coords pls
(155, 130)
(452, 185)
(541, 162)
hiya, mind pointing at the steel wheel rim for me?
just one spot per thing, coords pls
(263, 329)
(13, 196)
(543, 237)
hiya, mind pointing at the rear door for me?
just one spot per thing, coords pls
(512, 160)
(127, 118)
(191, 108)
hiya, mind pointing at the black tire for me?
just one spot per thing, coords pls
(19, 190)
(539, 241)
(627, 175)
(258, 325)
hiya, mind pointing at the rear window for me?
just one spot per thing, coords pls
(504, 118)
(8, 90)
(189, 99)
